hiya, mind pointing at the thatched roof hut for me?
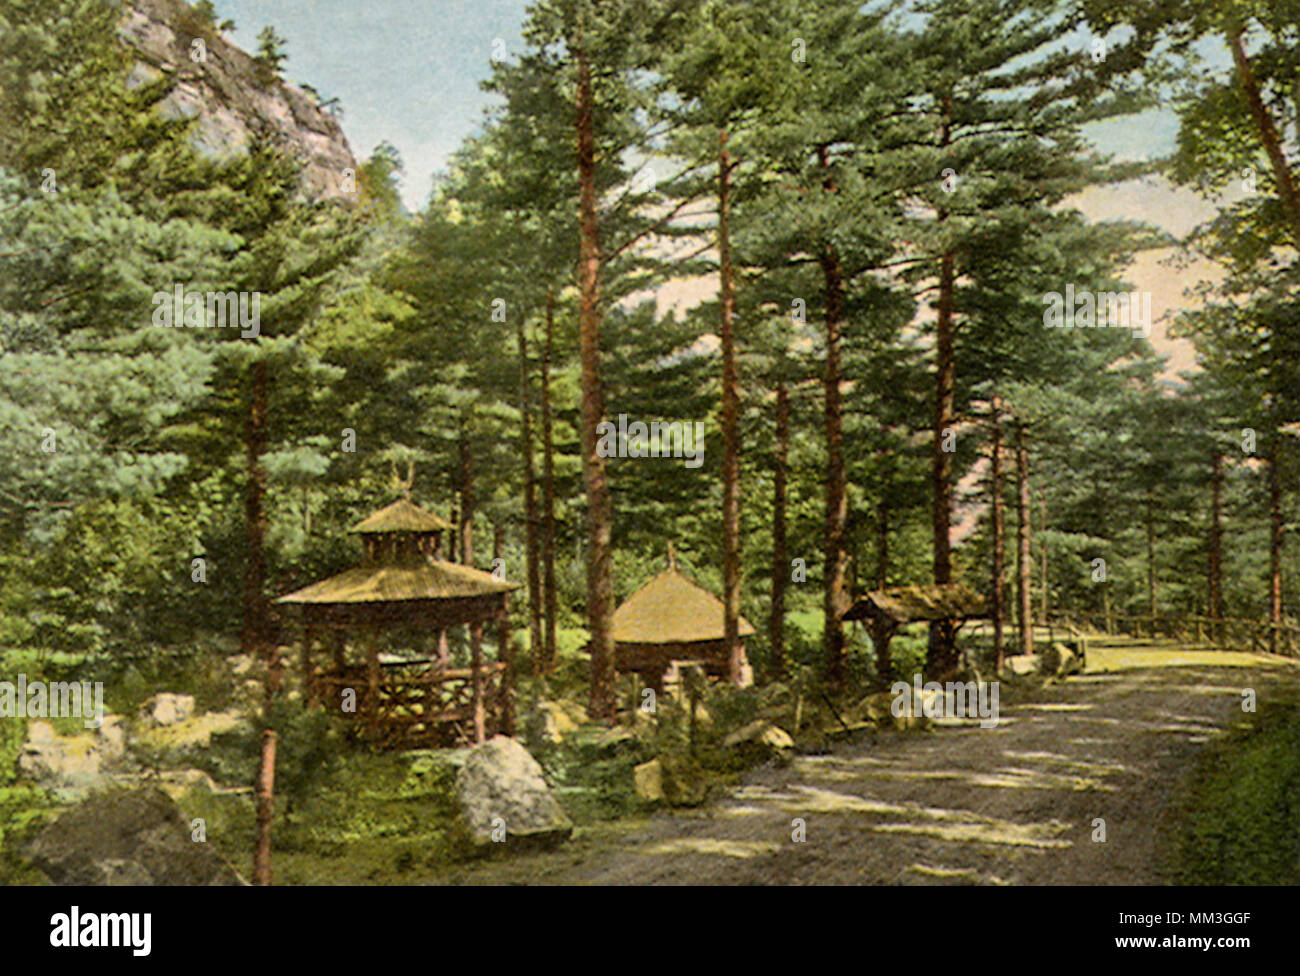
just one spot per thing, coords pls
(884, 611)
(897, 605)
(672, 609)
(672, 618)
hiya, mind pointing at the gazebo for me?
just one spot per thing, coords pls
(885, 611)
(403, 583)
(672, 619)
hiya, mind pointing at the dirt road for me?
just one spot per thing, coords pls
(1017, 804)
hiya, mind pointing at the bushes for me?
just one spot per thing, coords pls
(308, 751)
(23, 808)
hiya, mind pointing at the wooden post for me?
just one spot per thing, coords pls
(372, 682)
(340, 650)
(505, 654)
(881, 634)
(265, 795)
(309, 683)
(476, 681)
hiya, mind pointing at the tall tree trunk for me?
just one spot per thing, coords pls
(941, 466)
(600, 582)
(453, 554)
(506, 689)
(835, 601)
(996, 608)
(1042, 549)
(1275, 538)
(730, 422)
(882, 539)
(882, 635)
(254, 637)
(530, 502)
(1215, 595)
(1024, 564)
(467, 502)
(1266, 129)
(548, 492)
(780, 555)
(941, 656)
(467, 505)
(1153, 609)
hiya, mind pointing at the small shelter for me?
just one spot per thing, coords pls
(672, 619)
(884, 611)
(401, 583)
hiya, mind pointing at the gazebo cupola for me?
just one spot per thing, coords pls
(401, 534)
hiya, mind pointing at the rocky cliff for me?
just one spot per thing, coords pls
(232, 96)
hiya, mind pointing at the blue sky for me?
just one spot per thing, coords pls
(404, 70)
(409, 71)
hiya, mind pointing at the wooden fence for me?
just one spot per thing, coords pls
(1210, 633)
(416, 704)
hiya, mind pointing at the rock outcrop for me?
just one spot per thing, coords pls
(72, 767)
(231, 96)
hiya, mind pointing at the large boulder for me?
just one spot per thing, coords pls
(72, 767)
(502, 793)
(126, 837)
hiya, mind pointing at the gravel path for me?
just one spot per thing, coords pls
(960, 805)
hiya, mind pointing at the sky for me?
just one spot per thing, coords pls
(408, 71)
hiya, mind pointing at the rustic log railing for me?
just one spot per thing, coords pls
(1203, 633)
(415, 704)
(1210, 633)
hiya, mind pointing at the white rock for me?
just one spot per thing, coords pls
(503, 793)
(167, 708)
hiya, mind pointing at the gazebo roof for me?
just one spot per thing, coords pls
(671, 609)
(911, 604)
(388, 583)
(401, 516)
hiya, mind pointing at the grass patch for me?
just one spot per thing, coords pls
(1239, 821)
